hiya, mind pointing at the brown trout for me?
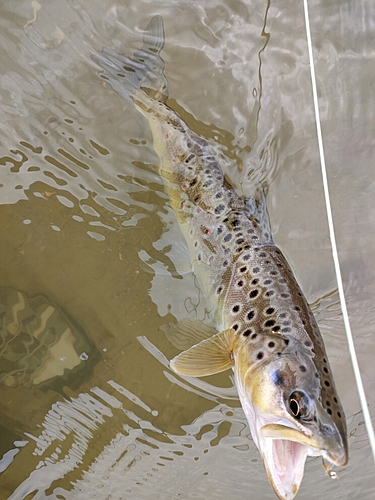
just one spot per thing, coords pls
(265, 330)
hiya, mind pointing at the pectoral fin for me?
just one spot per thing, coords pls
(187, 333)
(210, 356)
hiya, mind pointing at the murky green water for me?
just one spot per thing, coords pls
(89, 407)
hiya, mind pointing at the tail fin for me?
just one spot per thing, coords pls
(144, 71)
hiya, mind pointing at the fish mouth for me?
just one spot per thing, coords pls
(284, 451)
(284, 461)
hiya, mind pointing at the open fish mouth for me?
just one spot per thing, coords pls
(284, 461)
(284, 452)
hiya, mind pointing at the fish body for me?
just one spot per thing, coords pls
(265, 329)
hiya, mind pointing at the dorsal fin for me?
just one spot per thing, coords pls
(256, 207)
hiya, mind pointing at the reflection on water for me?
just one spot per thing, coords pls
(93, 263)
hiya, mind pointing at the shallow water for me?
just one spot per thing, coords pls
(89, 243)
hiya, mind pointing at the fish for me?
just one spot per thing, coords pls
(264, 328)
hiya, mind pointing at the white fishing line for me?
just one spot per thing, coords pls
(353, 355)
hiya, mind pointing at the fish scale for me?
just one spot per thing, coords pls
(265, 329)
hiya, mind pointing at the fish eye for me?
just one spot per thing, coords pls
(299, 406)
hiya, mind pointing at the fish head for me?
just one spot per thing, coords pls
(284, 400)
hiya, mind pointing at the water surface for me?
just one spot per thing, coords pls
(89, 268)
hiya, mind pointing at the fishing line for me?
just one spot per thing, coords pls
(357, 373)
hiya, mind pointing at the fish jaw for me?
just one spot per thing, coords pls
(284, 461)
(284, 451)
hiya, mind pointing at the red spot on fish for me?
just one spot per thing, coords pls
(199, 210)
(184, 185)
(182, 204)
(174, 160)
(207, 231)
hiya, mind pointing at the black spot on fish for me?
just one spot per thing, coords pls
(335, 399)
(250, 231)
(329, 411)
(236, 308)
(247, 332)
(267, 282)
(339, 414)
(219, 209)
(193, 182)
(235, 327)
(262, 254)
(270, 310)
(308, 343)
(254, 237)
(286, 341)
(255, 282)
(254, 336)
(189, 158)
(324, 360)
(276, 328)
(240, 283)
(219, 229)
(256, 270)
(328, 403)
(250, 315)
(225, 263)
(285, 295)
(325, 369)
(282, 280)
(260, 355)
(243, 269)
(326, 383)
(228, 237)
(239, 241)
(253, 294)
(219, 290)
(218, 195)
(282, 315)
(273, 273)
(271, 344)
(269, 323)
(286, 330)
(270, 293)
(302, 368)
(246, 256)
